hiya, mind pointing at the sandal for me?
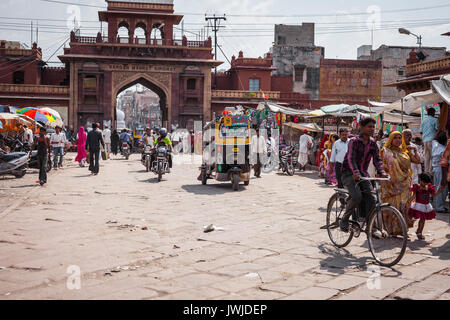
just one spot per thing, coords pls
(420, 236)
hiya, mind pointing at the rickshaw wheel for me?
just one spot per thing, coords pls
(235, 181)
(204, 177)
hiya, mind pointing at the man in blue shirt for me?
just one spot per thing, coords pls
(125, 137)
(429, 129)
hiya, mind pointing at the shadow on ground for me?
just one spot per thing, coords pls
(211, 189)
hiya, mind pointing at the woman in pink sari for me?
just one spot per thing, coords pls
(81, 147)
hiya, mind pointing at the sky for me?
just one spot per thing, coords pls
(341, 26)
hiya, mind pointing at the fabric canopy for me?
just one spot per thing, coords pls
(275, 108)
(304, 126)
(337, 109)
(397, 118)
(316, 113)
(442, 87)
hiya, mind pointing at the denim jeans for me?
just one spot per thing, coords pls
(360, 194)
(57, 151)
(439, 200)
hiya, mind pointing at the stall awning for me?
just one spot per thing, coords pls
(304, 126)
(275, 108)
(397, 118)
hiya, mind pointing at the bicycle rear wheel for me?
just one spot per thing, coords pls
(336, 209)
(387, 236)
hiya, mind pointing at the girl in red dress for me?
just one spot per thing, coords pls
(422, 209)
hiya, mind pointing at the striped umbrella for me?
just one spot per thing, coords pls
(37, 114)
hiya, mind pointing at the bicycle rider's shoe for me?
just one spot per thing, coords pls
(377, 234)
(344, 225)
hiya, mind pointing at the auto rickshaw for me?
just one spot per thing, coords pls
(227, 149)
(137, 135)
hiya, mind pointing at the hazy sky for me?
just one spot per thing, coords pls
(252, 33)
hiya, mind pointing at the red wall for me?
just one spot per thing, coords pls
(53, 76)
(282, 84)
(241, 79)
(7, 68)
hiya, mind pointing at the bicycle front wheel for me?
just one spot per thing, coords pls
(387, 236)
(336, 209)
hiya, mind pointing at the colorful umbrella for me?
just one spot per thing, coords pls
(37, 114)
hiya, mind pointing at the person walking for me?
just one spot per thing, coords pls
(28, 138)
(429, 128)
(397, 159)
(416, 165)
(94, 139)
(58, 141)
(107, 138)
(115, 139)
(338, 153)
(43, 146)
(305, 145)
(438, 151)
(81, 147)
(258, 151)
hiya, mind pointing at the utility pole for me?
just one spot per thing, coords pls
(215, 29)
(31, 34)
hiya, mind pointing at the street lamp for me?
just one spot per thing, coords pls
(407, 32)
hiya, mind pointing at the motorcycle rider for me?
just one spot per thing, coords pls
(147, 140)
(163, 138)
(125, 137)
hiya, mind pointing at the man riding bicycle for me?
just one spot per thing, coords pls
(361, 150)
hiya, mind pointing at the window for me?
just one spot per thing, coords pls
(90, 82)
(253, 84)
(299, 71)
(19, 77)
(191, 84)
(281, 40)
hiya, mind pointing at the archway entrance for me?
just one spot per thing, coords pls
(143, 102)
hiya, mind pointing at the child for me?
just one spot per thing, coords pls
(422, 208)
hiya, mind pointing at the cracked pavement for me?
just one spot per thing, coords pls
(133, 238)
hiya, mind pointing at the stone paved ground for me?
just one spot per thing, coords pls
(270, 247)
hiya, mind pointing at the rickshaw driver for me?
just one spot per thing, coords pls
(163, 138)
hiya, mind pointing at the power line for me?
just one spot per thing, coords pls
(215, 29)
(72, 3)
(328, 14)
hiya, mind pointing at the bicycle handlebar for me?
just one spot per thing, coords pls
(376, 179)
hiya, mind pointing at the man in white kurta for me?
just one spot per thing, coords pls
(306, 143)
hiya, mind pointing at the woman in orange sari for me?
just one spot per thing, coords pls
(397, 164)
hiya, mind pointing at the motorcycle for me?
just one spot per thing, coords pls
(34, 160)
(160, 165)
(126, 150)
(147, 157)
(14, 163)
(288, 160)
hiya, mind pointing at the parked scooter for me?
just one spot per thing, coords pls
(288, 160)
(14, 163)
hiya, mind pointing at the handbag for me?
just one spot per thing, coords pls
(105, 155)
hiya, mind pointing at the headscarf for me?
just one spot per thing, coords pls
(322, 143)
(388, 144)
(81, 136)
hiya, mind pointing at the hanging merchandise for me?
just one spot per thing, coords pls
(388, 128)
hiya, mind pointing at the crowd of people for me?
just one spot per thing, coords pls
(419, 176)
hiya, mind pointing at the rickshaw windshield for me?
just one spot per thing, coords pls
(234, 132)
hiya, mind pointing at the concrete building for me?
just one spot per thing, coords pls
(393, 59)
(295, 55)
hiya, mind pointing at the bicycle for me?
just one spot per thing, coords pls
(386, 248)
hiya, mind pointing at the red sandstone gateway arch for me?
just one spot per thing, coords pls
(179, 71)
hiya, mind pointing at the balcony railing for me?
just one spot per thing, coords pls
(39, 89)
(20, 52)
(428, 66)
(236, 94)
(143, 41)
